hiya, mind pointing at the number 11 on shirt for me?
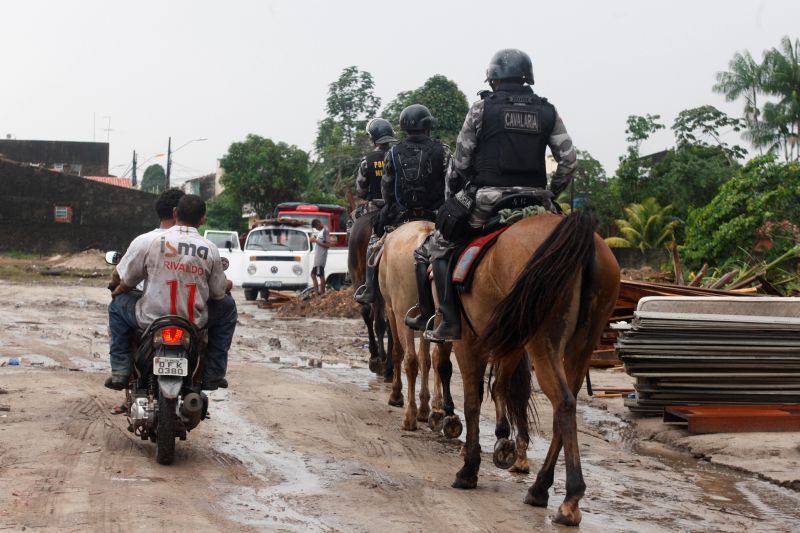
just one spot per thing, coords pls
(173, 298)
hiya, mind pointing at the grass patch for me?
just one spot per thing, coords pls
(12, 254)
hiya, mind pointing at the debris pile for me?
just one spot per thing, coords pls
(332, 304)
(713, 350)
(630, 292)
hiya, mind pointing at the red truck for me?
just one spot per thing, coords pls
(332, 216)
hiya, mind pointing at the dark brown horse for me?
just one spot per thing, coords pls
(543, 292)
(372, 314)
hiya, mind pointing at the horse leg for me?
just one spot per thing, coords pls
(424, 359)
(552, 379)
(396, 396)
(436, 418)
(472, 370)
(452, 427)
(507, 454)
(380, 327)
(411, 367)
(388, 371)
(375, 365)
(576, 368)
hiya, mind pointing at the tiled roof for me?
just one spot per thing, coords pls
(119, 182)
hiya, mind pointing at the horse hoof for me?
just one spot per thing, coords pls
(409, 426)
(396, 402)
(462, 483)
(505, 454)
(422, 416)
(436, 421)
(537, 499)
(452, 427)
(567, 516)
(523, 469)
(376, 366)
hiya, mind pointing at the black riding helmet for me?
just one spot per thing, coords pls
(380, 131)
(416, 117)
(510, 63)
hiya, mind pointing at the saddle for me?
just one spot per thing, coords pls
(508, 211)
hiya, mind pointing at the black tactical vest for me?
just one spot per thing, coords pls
(375, 173)
(511, 147)
(418, 174)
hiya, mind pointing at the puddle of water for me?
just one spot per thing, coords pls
(285, 475)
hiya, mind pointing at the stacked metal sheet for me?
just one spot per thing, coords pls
(713, 350)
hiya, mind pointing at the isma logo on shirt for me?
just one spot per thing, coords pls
(184, 248)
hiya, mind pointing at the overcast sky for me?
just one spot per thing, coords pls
(221, 70)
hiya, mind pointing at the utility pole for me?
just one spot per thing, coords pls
(133, 175)
(169, 159)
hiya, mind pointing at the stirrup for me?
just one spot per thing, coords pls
(428, 333)
(413, 308)
(360, 292)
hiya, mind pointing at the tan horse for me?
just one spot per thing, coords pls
(545, 290)
(399, 289)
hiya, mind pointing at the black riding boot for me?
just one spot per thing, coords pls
(449, 329)
(426, 306)
(365, 294)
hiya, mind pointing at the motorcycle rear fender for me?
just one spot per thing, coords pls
(169, 386)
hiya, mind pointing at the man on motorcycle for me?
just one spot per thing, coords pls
(184, 276)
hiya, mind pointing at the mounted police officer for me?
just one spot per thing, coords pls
(370, 170)
(413, 184)
(500, 153)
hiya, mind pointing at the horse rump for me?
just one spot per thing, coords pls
(542, 285)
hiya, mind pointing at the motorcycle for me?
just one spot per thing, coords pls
(164, 396)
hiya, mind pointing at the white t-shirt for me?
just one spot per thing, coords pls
(144, 240)
(320, 252)
(183, 270)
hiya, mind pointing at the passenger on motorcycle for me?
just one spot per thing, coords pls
(183, 276)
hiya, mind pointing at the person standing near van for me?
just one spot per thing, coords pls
(320, 238)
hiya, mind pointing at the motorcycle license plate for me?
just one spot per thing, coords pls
(170, 366)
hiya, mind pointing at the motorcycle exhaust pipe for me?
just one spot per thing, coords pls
(192, 409)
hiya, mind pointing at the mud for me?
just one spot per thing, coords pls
(304, 441)
(332, 304)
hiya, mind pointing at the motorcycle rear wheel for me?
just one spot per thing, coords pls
(165, 433)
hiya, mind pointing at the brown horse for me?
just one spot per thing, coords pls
(544, 291)
(372, 314)
(399, 289)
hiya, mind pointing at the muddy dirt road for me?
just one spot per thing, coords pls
(293, 446)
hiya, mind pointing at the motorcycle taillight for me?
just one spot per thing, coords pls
(173, 335)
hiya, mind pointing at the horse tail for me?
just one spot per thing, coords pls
(541, 285)
(519, 403)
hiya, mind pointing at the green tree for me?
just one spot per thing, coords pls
(351, 101)
(592, 188)
(631, 171)
(341, 141)
(694, 126)
(782, 80)
(776, 126)
(224, 212)
(646, 225)
(762, 194)
(444, 99)
(691, 174)
(744, 79)
(263, 173)
(154, 179)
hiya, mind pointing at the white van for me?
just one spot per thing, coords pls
(276, 256)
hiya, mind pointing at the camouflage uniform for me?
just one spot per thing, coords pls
(486, 198)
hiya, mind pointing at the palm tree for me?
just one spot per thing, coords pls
(782, 79)
(744, 79)
(647, 225)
